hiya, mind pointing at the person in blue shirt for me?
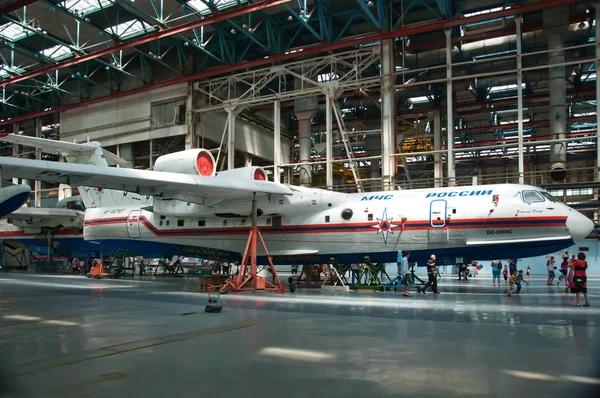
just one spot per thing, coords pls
(512, 266)
(404, 272)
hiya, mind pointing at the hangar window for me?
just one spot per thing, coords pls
(180, 223)
(201, 223)
(168, 113)
(13, 32)
(57, 52)
(532, 196)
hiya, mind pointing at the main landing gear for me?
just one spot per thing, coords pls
(247, 278)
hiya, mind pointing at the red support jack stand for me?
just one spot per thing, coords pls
(248, 279)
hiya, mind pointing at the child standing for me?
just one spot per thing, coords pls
(512, 285)
(570, 275)
(528, 273)
(505, 275)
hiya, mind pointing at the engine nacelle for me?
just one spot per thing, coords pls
(192, 161)
(245, 173)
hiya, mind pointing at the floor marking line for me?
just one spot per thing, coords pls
(51, 363)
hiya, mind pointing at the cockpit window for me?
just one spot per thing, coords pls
(550, 197)
(532, 197)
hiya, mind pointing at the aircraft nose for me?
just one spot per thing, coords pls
(579, 226)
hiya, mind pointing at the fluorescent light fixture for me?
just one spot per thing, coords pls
(13, 32)
(418, 100)
(490, 10)
(85, 7)
(513, 121)
(498, 54)
(129, 29)
(508, 87)
(57, 52)
(510, 111)
(60, 323)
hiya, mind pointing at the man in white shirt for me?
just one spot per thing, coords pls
(550, 264)
(404, 273)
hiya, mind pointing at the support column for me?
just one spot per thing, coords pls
(190, 136)
(521, 156)
(151, 156)
(388, 115)
(597, 95)
(37, 196)
(449, 111)
(556, 21)
(438, 166)
(231, 116)
(276, 141)
(329, 141)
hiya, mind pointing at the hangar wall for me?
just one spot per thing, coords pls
(135, 118)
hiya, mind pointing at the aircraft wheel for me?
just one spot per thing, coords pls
(226, 289)
(291, 280)
(292, 287)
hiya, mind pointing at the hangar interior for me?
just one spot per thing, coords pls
(359, 98)
(346, 95)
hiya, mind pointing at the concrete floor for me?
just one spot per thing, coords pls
(73, 337)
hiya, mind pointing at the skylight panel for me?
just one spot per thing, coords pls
(202, 7)
(418, 100)
(7, 71)
(57, 52)
(129, 29)
(327, 77)
(85, 7)
(13, 32)
(589, 77)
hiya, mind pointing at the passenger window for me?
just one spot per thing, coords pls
(532, 197)
(168, 222)
(224, 223)
(180, 223)
(160, 223)
(201, 223)
(370, 217)
(327, 218)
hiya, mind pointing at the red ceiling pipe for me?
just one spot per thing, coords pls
(208, 20)
(15, 5)
(308, 51)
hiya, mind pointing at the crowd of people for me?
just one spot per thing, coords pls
(572, 273)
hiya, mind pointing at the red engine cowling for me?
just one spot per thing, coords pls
(192, 161)
(245, 173)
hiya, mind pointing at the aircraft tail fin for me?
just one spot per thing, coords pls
(90, 153)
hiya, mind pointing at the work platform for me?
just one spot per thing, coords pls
(68, 336)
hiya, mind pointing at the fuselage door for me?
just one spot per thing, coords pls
(133, 224)
(437, 213)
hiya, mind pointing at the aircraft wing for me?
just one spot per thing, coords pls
(39, 213)
(188, 188)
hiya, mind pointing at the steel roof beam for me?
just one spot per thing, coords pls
(14, 5)
(222, 16)
(308, 51)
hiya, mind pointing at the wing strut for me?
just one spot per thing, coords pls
(248, 279)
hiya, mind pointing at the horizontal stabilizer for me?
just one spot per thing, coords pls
(26, 213)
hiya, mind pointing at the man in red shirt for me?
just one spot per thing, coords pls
(579, 283)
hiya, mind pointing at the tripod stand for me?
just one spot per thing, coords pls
(416, 278)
